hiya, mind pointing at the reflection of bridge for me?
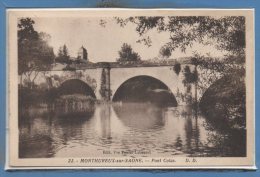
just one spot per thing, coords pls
(110, 76)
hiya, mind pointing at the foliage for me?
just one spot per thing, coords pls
(226, 33)
(177, 68)
(216, 102)
(212, 69)
(190, 77)
(102, 90)
(165, 52)
(63, 55)
(34, 52)
(127, 54)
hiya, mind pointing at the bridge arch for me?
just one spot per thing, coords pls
(75, 86)
(224, 103)
(228, 90)
(142, 88)
(218, 86)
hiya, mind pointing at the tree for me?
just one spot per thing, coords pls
(60, 53)
(63, 55)
(46, 54)
(190, 77)
(127, 54)
(34, 52)
(165, 52)
(26, 37)
(226, 33)
(65, 51)
(177, 68)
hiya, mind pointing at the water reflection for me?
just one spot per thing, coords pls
(76, 132)
(140, 115)
(105, 114)
(34, 136)
(44, 129)
(78, 106)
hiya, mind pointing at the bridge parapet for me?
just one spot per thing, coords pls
(129, 64)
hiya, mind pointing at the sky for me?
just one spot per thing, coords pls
(103, 43)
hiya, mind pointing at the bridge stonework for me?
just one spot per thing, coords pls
(165, 74)
(114, 77)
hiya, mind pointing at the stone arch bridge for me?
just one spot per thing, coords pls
(110, 76)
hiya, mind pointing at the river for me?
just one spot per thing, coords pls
(141, 127)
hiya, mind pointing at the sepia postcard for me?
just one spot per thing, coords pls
(130, 89)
